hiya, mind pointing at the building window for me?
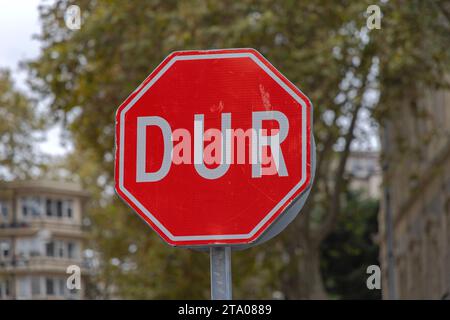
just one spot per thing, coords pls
(24, 208)
(59, 208)
(5, 248)
(60, 248)
(3, 211)
(36, 286)
(62, 287)
(24, 288)
(49, 285)
(55, 286)
(59, 211)
(69, 208)
(50, 249)
(71, 250)
(4, 288)
(7, 290)
(31, 206)
(36, 208)
(48, 207)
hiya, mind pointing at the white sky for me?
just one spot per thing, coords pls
(19, 21)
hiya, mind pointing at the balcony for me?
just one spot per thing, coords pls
(41, 264)
(62, 228)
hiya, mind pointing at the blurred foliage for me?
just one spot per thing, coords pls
(414, 62)
(19, 126)
(350, 249)
(323, 47)
(416, 51)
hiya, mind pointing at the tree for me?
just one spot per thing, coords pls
(19, 127)
(322, 46)
(350, 249)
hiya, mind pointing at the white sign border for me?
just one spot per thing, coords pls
(266, 69)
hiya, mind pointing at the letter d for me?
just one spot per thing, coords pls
(141, 145)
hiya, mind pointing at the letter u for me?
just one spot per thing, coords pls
(199, 164)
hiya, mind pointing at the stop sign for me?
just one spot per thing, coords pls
(215, 148)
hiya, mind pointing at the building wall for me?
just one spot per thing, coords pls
(418, 180)
(40, 236)
(365, 171)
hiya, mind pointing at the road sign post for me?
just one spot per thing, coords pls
(221, 284)
(214, 151)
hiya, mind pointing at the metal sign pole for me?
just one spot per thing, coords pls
(220, 273)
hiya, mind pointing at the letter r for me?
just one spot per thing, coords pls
(273, 141)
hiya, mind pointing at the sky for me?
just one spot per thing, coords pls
(19, 21)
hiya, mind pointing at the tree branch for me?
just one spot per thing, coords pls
(334, 200)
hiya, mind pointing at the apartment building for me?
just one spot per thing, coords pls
(41, 235)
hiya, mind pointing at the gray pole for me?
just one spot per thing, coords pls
(392, 292)
(220, 273)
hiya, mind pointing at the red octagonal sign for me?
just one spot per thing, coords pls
(214, 147)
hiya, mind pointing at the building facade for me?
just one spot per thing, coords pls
(41, 235)
(416, 205)
(364, 170)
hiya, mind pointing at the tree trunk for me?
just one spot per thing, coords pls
(303, 279)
